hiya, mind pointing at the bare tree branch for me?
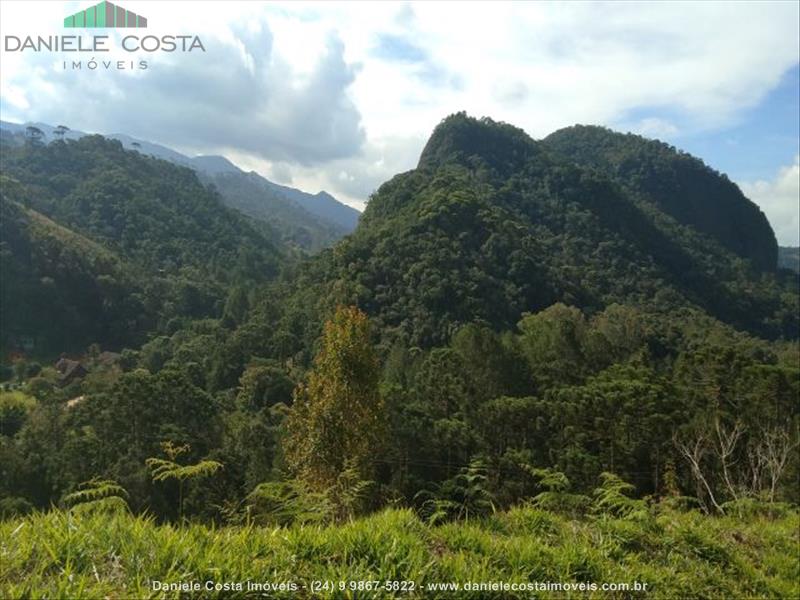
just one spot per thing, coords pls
(726, 441)
(694, 451)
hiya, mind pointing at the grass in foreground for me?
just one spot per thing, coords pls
(679, 555)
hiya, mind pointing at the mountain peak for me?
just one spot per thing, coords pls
(460, 138)
(676, 182)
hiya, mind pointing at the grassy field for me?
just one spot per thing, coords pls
(677, 554)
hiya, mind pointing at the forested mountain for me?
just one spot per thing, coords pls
(308, 221)
(18, 133)
(677, 183)
(256, 197)
(321, 204)
(60, 289)
(101, 244)
(492, 224)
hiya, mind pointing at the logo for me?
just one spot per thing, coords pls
(105, 14)
(127, 46)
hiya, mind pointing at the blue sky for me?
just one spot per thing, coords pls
(761, 140)
(341, 96)
(758, 148)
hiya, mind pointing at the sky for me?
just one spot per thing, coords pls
(342, 96)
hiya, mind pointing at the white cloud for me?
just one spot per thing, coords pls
(780, 201)
(653, 127)
(325, 88)
(352, 179)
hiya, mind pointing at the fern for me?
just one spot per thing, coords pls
(550, 479)
(555, 496)
(350, 493)
(97, 495)
(110, 504)
(286, 502)
(478, 500)
(463, 497)
(163, 470)
(435, 510)
(613, 497)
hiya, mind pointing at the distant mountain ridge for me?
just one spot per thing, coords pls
(321, 204)
(260, 199)
(311, 221)
(789, 258)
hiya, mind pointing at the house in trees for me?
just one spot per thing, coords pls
(70, 370)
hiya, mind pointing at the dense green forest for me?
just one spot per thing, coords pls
(677, 183)
(258, 198)
(549, 331)
(103, 245)
(300, 221)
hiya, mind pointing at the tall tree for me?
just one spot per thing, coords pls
(338, 416)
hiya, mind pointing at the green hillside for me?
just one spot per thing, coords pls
(293, 218)
(256, 197)
(92, 288)
(110, 244)
(679, 184)
(492, 224)
(155, 213)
